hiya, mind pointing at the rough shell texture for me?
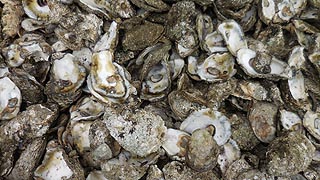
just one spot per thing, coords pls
(289, 154)
(141, 133)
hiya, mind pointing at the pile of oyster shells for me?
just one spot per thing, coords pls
(160, 89)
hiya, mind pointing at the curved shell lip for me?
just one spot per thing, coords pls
(95, 87)
(34, 10)
(206, 117)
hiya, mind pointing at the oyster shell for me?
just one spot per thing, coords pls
(202, 151)
(87, 108)
(28, 46)
(140, 133)
(175, 142)
(311, 122)
(10, 99)
(296, 153)
(262, 117)
(36, 9)
(208, 117)
(57, 165)
(108, 81)
(66, 77)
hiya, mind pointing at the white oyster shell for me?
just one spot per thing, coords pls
(214, 42)
(96, 175)
(311, 121)
(10, 99)
(230, 153)
(36, 9)
(217, 67)
(86, 109)
(289, 119)
(80, 135)
(109, 40)
(278, 68)
(206, 117)
(233, 35)
(108, 81)
(57, 165)
(296, 79)
(173, 142)
(156, 82)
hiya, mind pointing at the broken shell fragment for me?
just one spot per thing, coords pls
(10, 99)
(58, 165)
(290, 120)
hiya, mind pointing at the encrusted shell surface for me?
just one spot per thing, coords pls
(141, 133)
(289, 154)
(262, 117)
(202, 151)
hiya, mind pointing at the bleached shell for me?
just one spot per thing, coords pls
(109, 40)
(86, 109)
(156, 82)
(176, 65)
(175, 142)
(57, 165)
(214, 42)
(289, 119)
(107, 80)
(68, 70)
(84, 57)
(296, 79)
(30, 24)
(278, 67)
(35, 10)
(96, 175)
(10, 99)
(206, 117)
(267, 10)
(233, 35)
(217, 67)
(311, 122)
(80, 135)
(228, 155)
(17, 53)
